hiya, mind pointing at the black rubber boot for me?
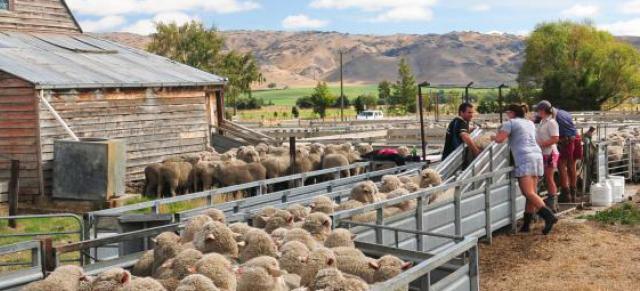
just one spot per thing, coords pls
(565, 195)
(574, 195)
(528, 217)
(552, 202)
(549, 219)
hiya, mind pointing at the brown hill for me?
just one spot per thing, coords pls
(301, 58)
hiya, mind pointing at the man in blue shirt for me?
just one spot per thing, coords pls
(570, 148)
(458, 131)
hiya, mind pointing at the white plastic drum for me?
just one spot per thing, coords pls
(601, 195)
(617, 188)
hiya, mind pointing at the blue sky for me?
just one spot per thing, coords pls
(621, 17)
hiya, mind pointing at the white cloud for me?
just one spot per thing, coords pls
(581, 10)
(302, 21)
(147, 26)
(630, 7)
(627, 27)
(386, 10)
(112, 7)
(480, 7)
(103, 24)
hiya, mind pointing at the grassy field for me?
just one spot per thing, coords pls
(280, 112)
(288, 97)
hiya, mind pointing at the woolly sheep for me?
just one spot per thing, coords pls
(270, 264)
(64, 278)
(114, 279)
(281, 218)
(332, 279)
(406, 205)
(318, 259)
(193, 226)
(293, 256)
(144, 265)
(340, 237)
(248, 154)
(217, 268)
(167, 245)
(259, 221)
(230, 174)
(370, 270)
(334, 161)
(411, 187)
(301, 235)
(364, 192)
(390, 183)
(278, 235)
(303, 161)
(215, 214)
(347, 252)
(143, 284)
(364, 148)
(406, 179)
(615, 153)
(429, 178)
(318, 225)
(403, 151)
(298, 211)
(258, 243)
(323, 204)
(240, 228)
(257, 278)
(196, 282)
(483, 141)
(216, 237)
(276, 166)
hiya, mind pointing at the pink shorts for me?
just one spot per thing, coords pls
(551, 161)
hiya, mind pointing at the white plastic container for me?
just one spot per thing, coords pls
(601, 195)
(617, 188)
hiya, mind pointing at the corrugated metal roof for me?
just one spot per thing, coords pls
(60, 61)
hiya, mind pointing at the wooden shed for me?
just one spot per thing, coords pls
(98, 88)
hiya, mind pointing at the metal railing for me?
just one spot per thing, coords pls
(10, 279)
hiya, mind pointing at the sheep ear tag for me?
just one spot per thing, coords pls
(407, 265)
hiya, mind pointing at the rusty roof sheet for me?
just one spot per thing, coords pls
(73, 61)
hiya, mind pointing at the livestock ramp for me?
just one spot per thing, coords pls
(486, 198)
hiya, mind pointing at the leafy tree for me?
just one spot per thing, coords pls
(579, 67)
(384, 90)
(295, 111)
(364, 102)
(347, 103)
(304, 102)
(488, 105)
(322, 99)
(359, 105)
(405, 89)
(200, 47)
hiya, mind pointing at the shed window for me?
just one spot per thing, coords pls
(4, 4)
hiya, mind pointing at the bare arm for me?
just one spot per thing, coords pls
(547, 143)
(501, 137)
(466, 138)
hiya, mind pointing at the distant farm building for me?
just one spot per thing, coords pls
(99, 88)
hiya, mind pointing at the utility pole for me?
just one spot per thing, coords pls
(421, 111)
(341, 89)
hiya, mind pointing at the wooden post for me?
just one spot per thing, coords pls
(292, 160)
(14, 187)
(48, 255)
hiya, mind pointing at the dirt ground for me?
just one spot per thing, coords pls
(578, 255)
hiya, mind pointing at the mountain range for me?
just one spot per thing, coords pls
(300, 59)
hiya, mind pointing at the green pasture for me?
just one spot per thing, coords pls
(288, 97)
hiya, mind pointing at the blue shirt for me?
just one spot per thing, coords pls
(565, 124)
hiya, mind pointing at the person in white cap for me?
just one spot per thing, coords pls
(547, 136)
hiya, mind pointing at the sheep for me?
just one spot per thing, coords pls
(403, 151)
(293, 257)
(248, 154)
(347, 252)
(279, 235)
(184, 262)
(215, 214)
(193, 226)
(390, 183)
(411, 187)
(615, 153)
(63, 278)
(240, 228)
(316, 152)
(483, 141)
(257, 278)
(143, 284)
(318, 259)
(301, 235)
(340, 237)
(370, 270)
(332, 279)
(270, 264)
(196, 282)
(323, 204)
(203, 175)
(230, 174)
(259, 219)
(217, 268)
(406, 205)
(114, 279)
(303, 162)
(144, 265)
(151, 180)
(364, 148)
(429, 178)
(258, 243)
(276, 165)
(216, 237)
(167, 246)
(318, 225)
(335, 161)
(298, 211)
(365, 192)
(176, 177)
(281, 218)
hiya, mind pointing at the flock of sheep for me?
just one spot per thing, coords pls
(202, 171)
(284, 249)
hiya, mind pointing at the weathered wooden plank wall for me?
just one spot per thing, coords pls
(154, 122)
(38, 16)
(19, 134)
